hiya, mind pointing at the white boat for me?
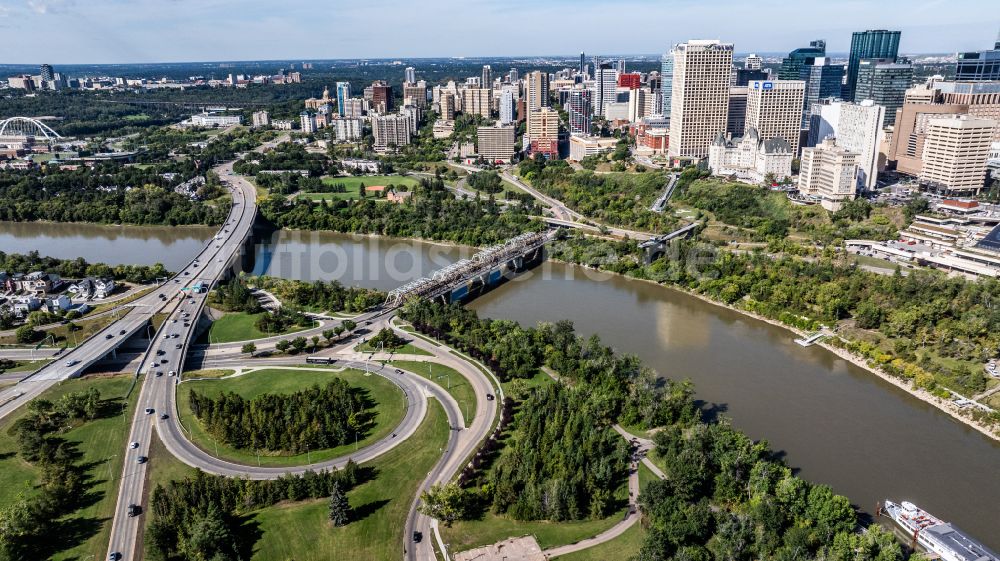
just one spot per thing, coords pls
(938, 537)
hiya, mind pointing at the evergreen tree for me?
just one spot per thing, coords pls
(340, 507)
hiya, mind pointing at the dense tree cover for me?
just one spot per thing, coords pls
(36, 525)
(316, 418)
(769, 215)
(235, 296)
(618, 199)
(725, 496)
(108, 193)
(331, 296)
(79, 267)
(486, 181)
(286, 156)
(432, 212)
(199, 518)
(386, 339)
(562, 462)
(281, 320)
(89, 113)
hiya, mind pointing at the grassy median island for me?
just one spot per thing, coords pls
(386, 401)
(84, 530)
(242, 326)
(301, 530)
(459, 387)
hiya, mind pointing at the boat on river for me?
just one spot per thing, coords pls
(938, 537)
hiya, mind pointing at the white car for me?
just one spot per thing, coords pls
(172, 373)
(72, 363)
(133, 445)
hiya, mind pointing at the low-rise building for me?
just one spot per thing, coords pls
(751, 158)
(582, 146)
(214, 120)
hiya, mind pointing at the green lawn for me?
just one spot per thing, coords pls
(624, 546)
(27, 366)
(213, 373)
(390, 408)
(102, 445)
(62, 334)
(407, 349)
(239, 326)
(464, 535)
(459, 388)
(353, 185)
(300, 531)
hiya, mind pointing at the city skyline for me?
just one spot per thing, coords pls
(119, 32)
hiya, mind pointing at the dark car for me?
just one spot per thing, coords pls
(122, 332)
(179, 345)
(164, 417)
(109, 335)
(159, 373)
(489, 397)
(141, 459)
(417, 536)
(134, 510)
(160, 352)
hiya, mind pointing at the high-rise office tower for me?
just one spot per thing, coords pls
(792, 65)
(605, 84)
(487, 79)
(476, 101)
(513, 76)
(46, 72)
(699, 100)
(737, 120)
(411, 75)
(543, 125)
(666, 82)
(583, 64)
(580, 110)
(857, 127)
(823, 80)
(621, 66)
(744, 76)
(979, 66)
(343, 94)
(874, 43)
(885, 82)
(955, 153)
(381, 96)
(753, 62)
(508, 111)
(415, 94)
(537, 93)
(447, 106)
(774, 109)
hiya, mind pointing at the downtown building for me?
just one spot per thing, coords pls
(885, 82)
(580, 110)
(828, 171)
(543, 132)
(955, 153)
(537, 90)
(391, 131)
(508, 104)
(476, 101)
(605, 87)
(343, 95)
(979, 66)
(496, 143)
(261, 119)
(347, 129)
(774, 110)
(751, 158)
(871, 44)
(699, 96)
(858, 127)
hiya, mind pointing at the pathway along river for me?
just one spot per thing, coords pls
(835, 422)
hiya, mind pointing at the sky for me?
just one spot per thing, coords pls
(129, 31)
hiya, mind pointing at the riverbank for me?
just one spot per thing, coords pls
(947, 406)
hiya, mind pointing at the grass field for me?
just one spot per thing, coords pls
(63, 335)
(26, 366)
(465, 534)
(407, 349)
(212, 373)
(102, 444)
(624, 546)
(390, 407)
(460, 389)
(352, 185)
(301, 531)
(239, 326)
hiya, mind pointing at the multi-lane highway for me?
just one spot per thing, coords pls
(165, 357)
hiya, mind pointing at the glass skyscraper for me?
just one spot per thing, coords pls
(791, 65)
(666, 81)
(874, 43)
(343, 94)
(885, 82)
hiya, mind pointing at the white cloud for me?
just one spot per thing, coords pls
(43, 7)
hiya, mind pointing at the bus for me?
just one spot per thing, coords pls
(320, 360)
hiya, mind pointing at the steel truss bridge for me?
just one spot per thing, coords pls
(485, 268)
(23, 128)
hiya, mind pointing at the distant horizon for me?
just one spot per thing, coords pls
(107, 32)
(390, 60)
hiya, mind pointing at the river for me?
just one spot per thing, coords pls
(114, 245)
(834, 423)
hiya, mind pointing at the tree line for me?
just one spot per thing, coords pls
(79, 268)
(200, 517)
(316, 418)
(36, 524)
(320, 296)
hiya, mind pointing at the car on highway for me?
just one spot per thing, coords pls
(160, 352)
(133, 445)
(176, 335)
(122, 332)
(114, 556)
(141, 460)
(178, 345)
(173, 321)
(109, 335)
(134, 510)
(164, 360)
(164, 416)
(417, 536)
(72, 363)
(166, 335)
(187, 272)
(150, 410)
(172, 373)
(398, 371)
(159, 373)
(489, 397)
